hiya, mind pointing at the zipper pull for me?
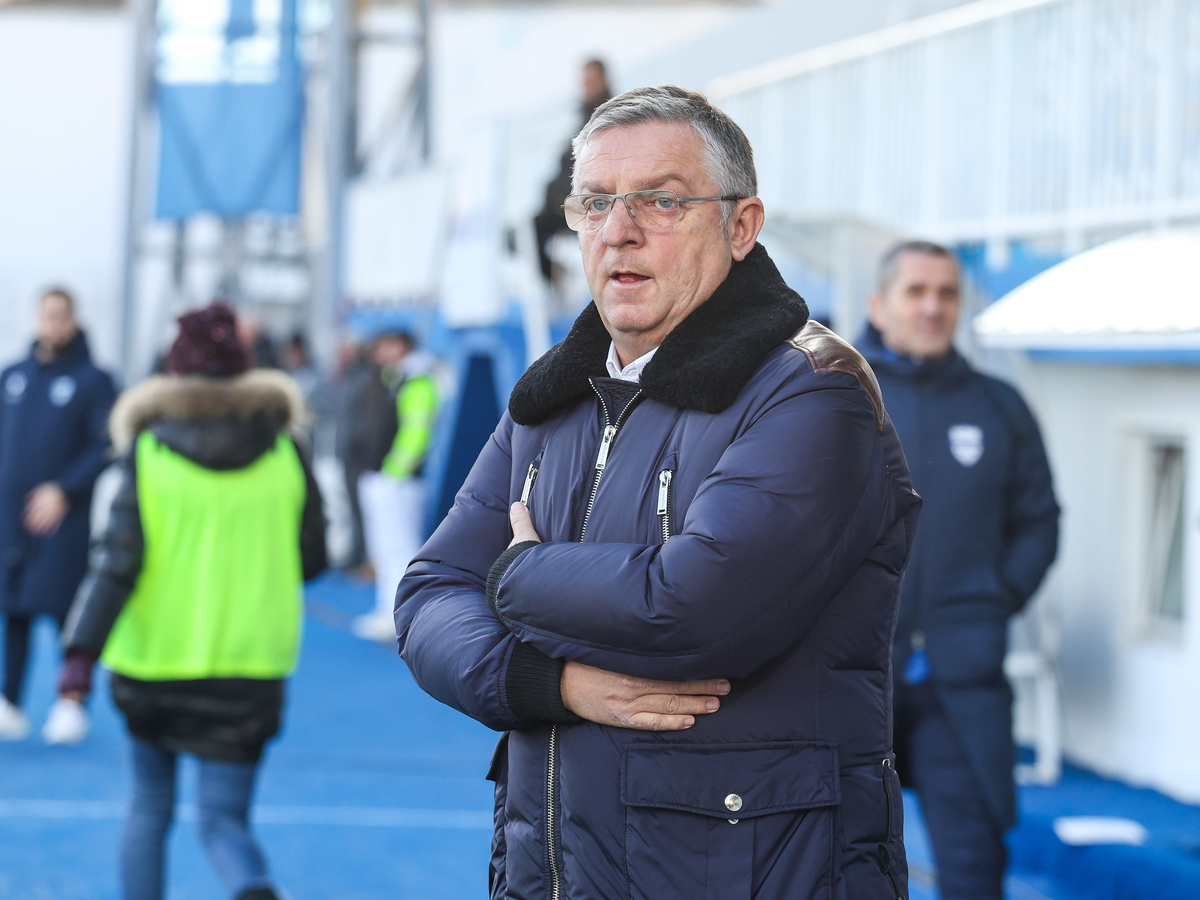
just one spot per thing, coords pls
(610, 432)
(664, 491)
(529, 480)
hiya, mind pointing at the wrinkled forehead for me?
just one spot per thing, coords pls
(640, 156)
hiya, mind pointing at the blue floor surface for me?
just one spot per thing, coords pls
(376, 791)
(373, 791)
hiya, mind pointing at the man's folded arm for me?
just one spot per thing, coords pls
(791, 510)
(455, 647)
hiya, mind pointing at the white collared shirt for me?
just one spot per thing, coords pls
(631, 372)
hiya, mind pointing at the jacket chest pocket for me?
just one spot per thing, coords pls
(730, 821)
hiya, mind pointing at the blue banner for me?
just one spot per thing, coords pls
(230, 95)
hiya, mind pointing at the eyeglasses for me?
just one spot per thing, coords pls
(649, 209)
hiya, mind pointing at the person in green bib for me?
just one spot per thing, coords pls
(391, 492)
(195, 602)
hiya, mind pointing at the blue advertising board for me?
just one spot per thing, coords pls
(230, 95)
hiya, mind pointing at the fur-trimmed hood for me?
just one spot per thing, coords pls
(206, 417)
(703, 364)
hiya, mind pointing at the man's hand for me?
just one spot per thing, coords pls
(609, 698)
(522, 525)
(45, 508)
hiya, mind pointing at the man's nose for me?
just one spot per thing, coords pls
(620, 227)
(930, 304)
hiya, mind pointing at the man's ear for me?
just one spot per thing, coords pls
(744, 227)
(875, 309)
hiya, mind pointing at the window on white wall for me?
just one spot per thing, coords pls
(1164, 533)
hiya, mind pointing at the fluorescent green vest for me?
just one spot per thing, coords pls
(416, 408)
(219, 593)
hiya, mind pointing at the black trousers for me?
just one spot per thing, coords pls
(358, 546)
(16, 653)
(546, 225)
(968, 845)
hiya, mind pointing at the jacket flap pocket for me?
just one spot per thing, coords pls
(499, 759)
(731, 780)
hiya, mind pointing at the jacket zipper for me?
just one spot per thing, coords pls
(606, 441)
(530, 478)
(610, 434)
(664, 501)
(886, 862)
(551, 848)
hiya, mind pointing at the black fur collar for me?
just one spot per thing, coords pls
(703, 364)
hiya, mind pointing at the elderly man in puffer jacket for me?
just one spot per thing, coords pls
(672, 576)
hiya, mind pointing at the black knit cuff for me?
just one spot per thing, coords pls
(500, 566)
(533, 685)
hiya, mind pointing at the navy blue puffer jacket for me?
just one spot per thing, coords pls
(745, 514)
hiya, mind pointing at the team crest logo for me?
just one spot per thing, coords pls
(966, 443)
(62, 389)
(14, 387)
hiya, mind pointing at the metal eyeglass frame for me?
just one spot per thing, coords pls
(629, 209)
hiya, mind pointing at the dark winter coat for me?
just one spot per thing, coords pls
(367, 420)
(52, 428)
(751, 520)
(989, 532)
(221, 425)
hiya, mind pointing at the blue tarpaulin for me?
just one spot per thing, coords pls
(230, 95)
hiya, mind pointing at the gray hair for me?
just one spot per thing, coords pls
(726, 156)
(889, 266)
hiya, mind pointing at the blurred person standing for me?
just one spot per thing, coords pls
(391, 491)
(53, 446)
(195, 605)
(296, 360)
(259, 346)
(355, 440)
(989, 532)
(550, 220)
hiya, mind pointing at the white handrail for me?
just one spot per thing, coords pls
(1063, 120)
(866, 45)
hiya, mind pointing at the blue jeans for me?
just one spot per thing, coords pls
(224, 795)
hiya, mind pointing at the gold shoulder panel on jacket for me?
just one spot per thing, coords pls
(829, 353)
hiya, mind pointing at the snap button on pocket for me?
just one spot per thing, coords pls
(733, 803)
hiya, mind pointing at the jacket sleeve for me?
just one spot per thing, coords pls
(455, 647)
(113, 572)
(1031, 511)
(81, 473)
(314, 557)
(792, 508)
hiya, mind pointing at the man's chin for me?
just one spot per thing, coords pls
(632, 322)
(933, 351)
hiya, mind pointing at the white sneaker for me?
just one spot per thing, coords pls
(13, 724)
(374, 626)
(67, 723)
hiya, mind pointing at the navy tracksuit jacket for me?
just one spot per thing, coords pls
(989, 532)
